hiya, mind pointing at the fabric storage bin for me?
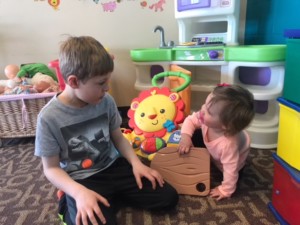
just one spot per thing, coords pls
(288, 147)
(286, 192)
(19, 113)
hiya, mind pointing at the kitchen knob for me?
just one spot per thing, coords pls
(213, 54)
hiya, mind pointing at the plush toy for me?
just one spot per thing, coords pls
(154, 117)
(30, 70)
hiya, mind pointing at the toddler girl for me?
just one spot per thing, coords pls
(227, 111)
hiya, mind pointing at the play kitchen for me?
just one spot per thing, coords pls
(208, 48)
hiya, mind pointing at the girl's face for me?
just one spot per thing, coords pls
(209, 113)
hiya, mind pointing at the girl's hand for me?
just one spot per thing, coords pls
(140, 170)
(215, 193)
(88, 208)
(185, 144)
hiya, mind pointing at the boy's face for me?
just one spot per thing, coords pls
(93, 90)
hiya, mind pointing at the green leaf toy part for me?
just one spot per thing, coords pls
(186, 77)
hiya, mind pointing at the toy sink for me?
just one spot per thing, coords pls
(151, 54)
(197, 53)
(248, 53)
(254, 53)
(177, 54)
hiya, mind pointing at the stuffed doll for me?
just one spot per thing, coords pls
(43, 83)
(18, 75)
(12, 81)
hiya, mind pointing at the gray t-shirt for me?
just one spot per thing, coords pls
(80, 136)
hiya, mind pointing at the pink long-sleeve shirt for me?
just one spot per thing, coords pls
(228, 153)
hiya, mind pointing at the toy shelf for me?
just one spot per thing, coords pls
(216, 18)
(263, 79)
(259, 68)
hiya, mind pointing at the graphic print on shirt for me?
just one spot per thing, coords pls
(89, 145)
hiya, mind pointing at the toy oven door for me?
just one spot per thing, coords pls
(183, 5)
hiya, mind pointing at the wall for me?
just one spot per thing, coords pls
(31, 30)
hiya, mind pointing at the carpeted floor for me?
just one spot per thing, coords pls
(27, 198)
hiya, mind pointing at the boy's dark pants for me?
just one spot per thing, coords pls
(118, 185)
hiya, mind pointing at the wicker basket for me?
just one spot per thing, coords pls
(18, 114)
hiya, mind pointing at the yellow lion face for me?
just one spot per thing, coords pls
(153, 112)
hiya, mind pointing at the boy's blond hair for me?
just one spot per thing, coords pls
(84, 57)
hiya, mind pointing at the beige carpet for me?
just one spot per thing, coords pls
(27, 198)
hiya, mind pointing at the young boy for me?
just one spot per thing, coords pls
(83, 150)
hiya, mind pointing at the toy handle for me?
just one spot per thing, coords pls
(186, 77)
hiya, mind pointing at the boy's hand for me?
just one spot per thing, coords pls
(215, 193)
(88, 208)
(185, 144)
(140, 170)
